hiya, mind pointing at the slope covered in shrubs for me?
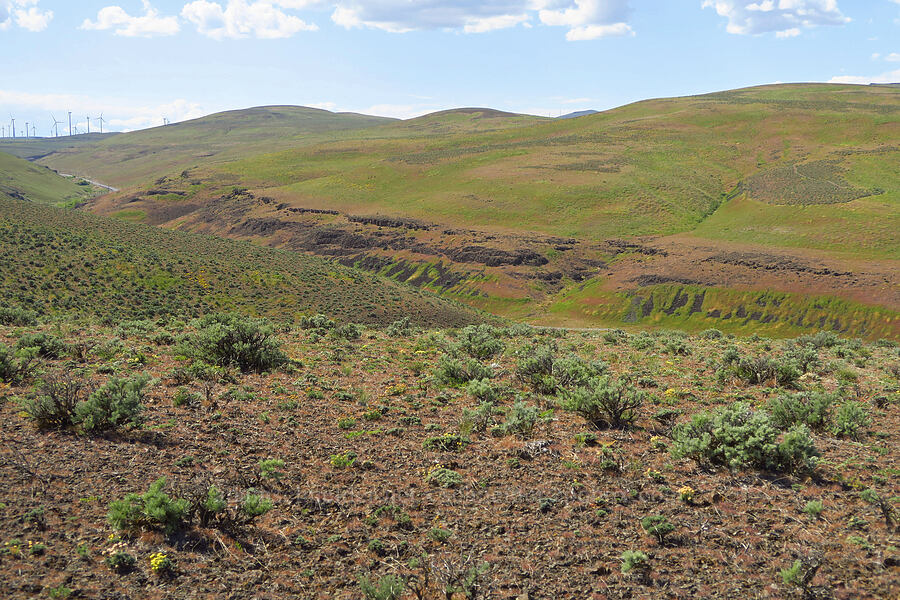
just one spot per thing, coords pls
(167, 455)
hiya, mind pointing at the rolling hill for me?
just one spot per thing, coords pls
(131, 158)
(683, 212)
(28, 181)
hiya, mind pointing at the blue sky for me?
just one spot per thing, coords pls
(138, 61)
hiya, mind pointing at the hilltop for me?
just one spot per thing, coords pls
(126, 159)
(770, 208)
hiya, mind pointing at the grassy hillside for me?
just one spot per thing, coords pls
(789, 188)
(22, 179)
(655, 167)
(144, 155)
(35, 148)
(73, 263)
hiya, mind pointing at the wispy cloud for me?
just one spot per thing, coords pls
(585, 19)
(239, 19)
(889, 77)
(25, 14)
(785, 18)
(150, 24)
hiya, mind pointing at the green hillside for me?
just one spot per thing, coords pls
(22, 179)
(783, 188)
(35, 148)
(134, 157)
(74, 263)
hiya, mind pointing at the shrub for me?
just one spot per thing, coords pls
(737, 437)
(547, 374)
(389, 587)
(801, 573)
(814, 508)
(536, 370)
(760, 369)
(185, 397)
(480, 341)
(254, 505)
(478, 419)
(805, 357)
(55, 405)
(443, 477)
(606, 403)
(633, 559)
(232, 340)
(850, 420)
(482, 389)
(120, 561)
(711, 334)
(400, 328)
(343, 460)
(153, 508)
(47, 344)
(212, 505)
(457, 371)
(270, 468)
(657, 526)
(16, 365)
(520, 419)
(805, 408)
(316, 322)
(17, 316)
(821, 339)
(440, 535)
(116, 404)
(449, 442)
(350, 331)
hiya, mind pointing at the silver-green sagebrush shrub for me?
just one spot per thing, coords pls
(116, 404)
(230, 340)
(152, 509)
(850, 420)
(738, 437)
(606, 402)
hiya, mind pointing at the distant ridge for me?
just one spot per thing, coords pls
(578, 113)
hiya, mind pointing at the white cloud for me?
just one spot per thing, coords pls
(787, 18)
(149, 24)
(485, 24)
(240, 18)
(118, 114)
(24, 13)
(893, 57)
(585, 19)
(889, 77)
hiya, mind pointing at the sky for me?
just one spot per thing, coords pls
(138, 62)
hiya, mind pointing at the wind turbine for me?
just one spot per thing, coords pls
(26, 130)
(70, 122)
(33, 130)
(100, 119)
(89, 124)
(55, 125)
(13, 126)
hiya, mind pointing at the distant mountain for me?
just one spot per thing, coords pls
(578, 113)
